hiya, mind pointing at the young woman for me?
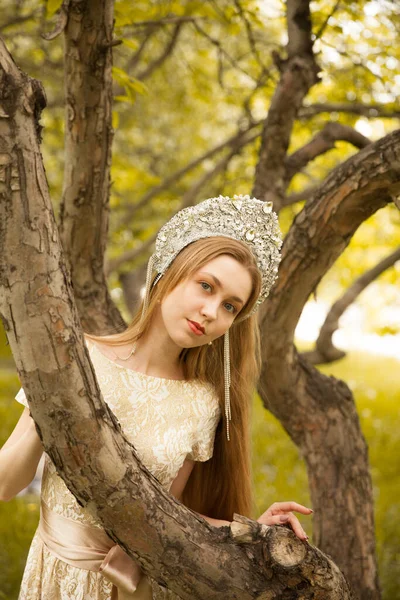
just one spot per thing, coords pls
(177, 378)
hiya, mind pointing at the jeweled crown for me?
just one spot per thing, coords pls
(242, 218)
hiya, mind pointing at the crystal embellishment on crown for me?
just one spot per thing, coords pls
(242, 218)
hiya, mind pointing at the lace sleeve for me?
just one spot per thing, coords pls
(203, 448)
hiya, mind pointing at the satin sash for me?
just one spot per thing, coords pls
(90, 548)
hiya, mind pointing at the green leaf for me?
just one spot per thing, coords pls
(115, 119)
(52, 7)
(131, 85)
(133, 44)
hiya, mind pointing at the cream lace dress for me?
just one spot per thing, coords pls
(166, 420)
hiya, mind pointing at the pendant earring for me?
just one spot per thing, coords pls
(227, 377)
(210, 343)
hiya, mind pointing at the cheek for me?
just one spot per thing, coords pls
(184, 301)
(168, 306)
(173, 304)
(185, 297)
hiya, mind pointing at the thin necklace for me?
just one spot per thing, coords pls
(130, 354)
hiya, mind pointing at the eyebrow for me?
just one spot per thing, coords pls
(217, 281)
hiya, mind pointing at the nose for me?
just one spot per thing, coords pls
(210, 309)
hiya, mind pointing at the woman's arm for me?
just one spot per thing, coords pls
(215, 522)
(19, 458)
(277, 514)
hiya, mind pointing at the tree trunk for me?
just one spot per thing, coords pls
(173, 544)
(298, 73)
(84, 214)
(317, 411)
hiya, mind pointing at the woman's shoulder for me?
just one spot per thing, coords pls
(202, 385)
(206, 394)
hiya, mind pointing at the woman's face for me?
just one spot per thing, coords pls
(211, 297)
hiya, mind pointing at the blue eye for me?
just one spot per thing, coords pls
(233, 310)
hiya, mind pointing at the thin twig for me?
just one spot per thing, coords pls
(165, 21)
(325, 23)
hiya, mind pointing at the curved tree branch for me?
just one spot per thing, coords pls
(243, 13)
(136, 56)
(155, 64)
(371, 111)
(305, 194)
(322, 142)
(325, 351)
(222, 52)
(61, 22)
(172, 19)
(118, 90)
(324, 25)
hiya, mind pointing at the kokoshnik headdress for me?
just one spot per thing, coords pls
(240, 218)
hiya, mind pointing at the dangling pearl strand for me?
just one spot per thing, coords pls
(227, 378)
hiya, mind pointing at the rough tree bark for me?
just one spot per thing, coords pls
(79, 432)
(325, 351)
(317, 411)
(84, 213)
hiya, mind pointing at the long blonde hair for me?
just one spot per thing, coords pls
(223, 484)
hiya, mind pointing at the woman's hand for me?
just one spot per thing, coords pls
(280, 512)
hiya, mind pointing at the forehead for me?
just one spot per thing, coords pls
(224, 263)
(233, 275)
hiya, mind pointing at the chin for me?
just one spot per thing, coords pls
(191, 344)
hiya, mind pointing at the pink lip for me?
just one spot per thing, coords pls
(195, 329)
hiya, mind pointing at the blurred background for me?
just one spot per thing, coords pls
(186, 77)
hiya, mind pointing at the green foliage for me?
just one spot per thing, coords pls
(131, 85)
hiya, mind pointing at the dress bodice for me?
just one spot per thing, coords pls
(166, 420)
